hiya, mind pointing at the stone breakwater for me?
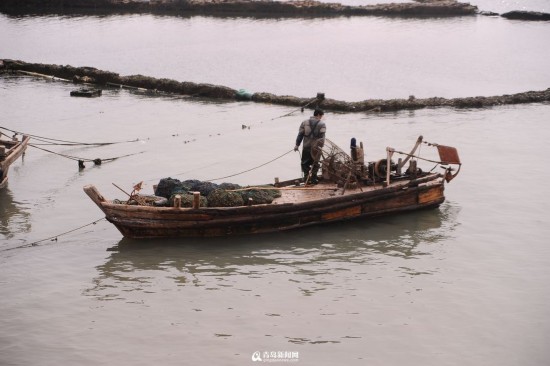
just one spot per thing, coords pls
(262, 8)
(526, 15)
(102, 78)
(418, 8)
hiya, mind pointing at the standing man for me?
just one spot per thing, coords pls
(312, 131)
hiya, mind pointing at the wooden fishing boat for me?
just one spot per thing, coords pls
(347, 189)
(10, 150)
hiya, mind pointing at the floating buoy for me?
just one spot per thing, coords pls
(243, 94)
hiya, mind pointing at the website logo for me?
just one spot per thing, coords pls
(275, 356)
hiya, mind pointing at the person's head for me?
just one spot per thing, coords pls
(318, 113)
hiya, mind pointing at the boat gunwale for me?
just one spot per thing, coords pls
(14, 151)
(146, 228)
(110, 208)
(12, 154)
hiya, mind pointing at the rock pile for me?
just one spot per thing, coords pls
(107, 78)
(253, 8)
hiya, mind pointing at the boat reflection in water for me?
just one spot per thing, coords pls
(14, 218)
(309, 257)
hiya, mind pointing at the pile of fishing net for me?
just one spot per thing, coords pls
(186, 200)
(212, 194)
(143, 200)
(223, 198)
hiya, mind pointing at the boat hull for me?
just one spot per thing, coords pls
(163, 222)
(13, 150)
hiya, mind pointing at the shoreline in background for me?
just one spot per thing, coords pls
(263, 8)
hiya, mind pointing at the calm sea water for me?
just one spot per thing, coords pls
(346, 58)
(465, 284)
(503, 6)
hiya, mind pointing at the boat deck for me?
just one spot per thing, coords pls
(323, 190)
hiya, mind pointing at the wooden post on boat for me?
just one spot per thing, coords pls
(399, 165)
(177, 201)
(196, 200)
(411, 154)
(389, 151)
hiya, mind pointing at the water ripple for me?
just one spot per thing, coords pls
(313, 260)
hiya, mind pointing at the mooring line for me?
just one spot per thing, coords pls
(54, 238)
(48, 139)
(248, 170)
(96, 161)
(243, 127)
(301, 109)
(60, 142)
(283, 115)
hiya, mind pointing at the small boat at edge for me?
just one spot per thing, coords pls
(10, 150)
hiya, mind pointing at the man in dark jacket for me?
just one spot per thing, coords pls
(312, 131)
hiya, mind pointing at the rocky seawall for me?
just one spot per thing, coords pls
(90, 75)
(526, 15)
(417, 8)
(260, 8)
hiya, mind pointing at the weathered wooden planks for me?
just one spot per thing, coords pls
(11, 152)
(149, 222)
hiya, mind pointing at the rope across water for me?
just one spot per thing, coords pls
(54, 238)
(96, 161)
(60, 142)
(251, 169)
(53, 141)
